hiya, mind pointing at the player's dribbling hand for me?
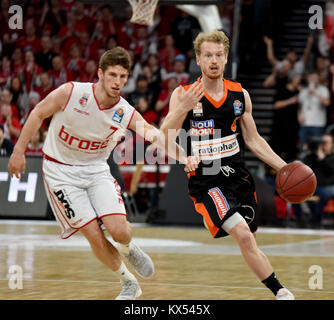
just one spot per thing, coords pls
(192, 163)
(188, 99)
(17, 164)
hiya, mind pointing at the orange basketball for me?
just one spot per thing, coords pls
(296, 182)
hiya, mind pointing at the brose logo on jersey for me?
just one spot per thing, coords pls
(81, 144)
(201, 128)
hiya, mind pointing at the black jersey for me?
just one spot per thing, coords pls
(214, 132)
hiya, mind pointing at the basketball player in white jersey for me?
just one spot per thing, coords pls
(88, 120)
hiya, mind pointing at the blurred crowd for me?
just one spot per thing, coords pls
(62, 40)
(303, 121)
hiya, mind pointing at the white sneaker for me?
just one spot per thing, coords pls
(284, 294)
(141, 262)
(130, 290)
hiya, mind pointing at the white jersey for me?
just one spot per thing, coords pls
(83, 133)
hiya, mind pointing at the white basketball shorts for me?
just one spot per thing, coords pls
(81, 194)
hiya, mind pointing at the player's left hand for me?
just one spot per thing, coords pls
(192, 163)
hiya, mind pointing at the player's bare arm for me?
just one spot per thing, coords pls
(254, 141)
(54, 102)
(155, 136)
(181, 103)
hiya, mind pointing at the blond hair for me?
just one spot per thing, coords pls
(213, 36)
(115, 56)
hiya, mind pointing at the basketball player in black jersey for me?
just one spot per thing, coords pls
(217, 114)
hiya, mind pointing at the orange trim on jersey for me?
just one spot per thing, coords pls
(212, 144)
(255, 196)
(190, 174)
(102, 109)
(228, 85)
(200, 208)
(69, 97)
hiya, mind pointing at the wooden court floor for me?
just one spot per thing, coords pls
(189, 264)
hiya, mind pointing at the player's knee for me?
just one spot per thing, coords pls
(244, 237)
(122, 234)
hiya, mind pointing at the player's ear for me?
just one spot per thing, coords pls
(197, 60)
(100, 73)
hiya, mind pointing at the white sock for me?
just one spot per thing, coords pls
(124, 273)
(125, 248)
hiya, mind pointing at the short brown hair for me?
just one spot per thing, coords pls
(114, 57)
(213, 36)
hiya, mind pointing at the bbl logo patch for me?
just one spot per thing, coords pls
(198, 110)
(238, 107)
(83, 100)
(118, 115)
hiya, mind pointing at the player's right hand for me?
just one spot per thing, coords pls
(16, 164)
(192, 163)
(188, 99)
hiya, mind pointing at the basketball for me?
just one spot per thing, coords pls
(296, 182)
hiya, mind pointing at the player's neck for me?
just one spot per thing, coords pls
(213, 86)
(102, 98)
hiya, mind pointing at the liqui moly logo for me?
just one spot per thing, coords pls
(201, 128)
(220, 202)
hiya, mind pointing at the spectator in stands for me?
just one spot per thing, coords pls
(285, 121)
(45, 56)
(33, 99)
(36, 144)
(279, 77)
(6, 100)
(82, 18)
(31, 72)
(6, 145)
(45, 86)
(162, 105)
(17, 61)
(168, 53)
(53, 15)
(321, 159)
(5, 71)
(59, 74)
(90, 72)
(30, 40)
(11, 124)
(179, 70)
(144, 109)
(69, 33)
(141, 45)
(314, 99)
(297, 66)
(75, 63)
(183, 28)
(17, 93)
(142, 90)
(322, 68)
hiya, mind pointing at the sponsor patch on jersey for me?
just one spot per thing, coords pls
(83, 100)
(210, 149)
(220, 202)
(198, 110)
(202, 128)
(238, 107)
(118, 115)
